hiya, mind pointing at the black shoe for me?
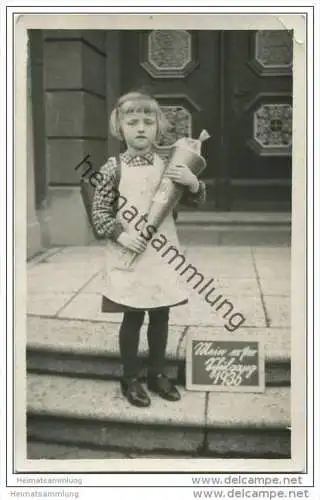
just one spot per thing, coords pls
(162, 386)
(134, 392)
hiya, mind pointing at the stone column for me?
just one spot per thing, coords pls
(76, 125)
(33, 225)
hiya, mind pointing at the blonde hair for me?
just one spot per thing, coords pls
(135, 102)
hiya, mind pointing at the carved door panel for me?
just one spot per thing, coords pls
(180, 68)
(258, 118)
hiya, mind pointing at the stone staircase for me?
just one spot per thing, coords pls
(74, 403)
(74, 397)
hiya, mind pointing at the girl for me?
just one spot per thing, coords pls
(151, 284)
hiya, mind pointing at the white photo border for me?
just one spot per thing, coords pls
(14, 383)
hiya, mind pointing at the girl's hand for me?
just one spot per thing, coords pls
(133, 241)
(181, 174)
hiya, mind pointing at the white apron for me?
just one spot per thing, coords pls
(151, 281)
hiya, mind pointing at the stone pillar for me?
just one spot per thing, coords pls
(33, 226)
(76, 124)
(113, 82)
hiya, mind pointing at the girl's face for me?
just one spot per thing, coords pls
(139, 130)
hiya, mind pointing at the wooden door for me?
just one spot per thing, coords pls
(256, 170)
(180, 68)
(237, 85)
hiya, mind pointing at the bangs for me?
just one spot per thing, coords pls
(140, 105)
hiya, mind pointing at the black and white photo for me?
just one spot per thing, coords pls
(160, 174)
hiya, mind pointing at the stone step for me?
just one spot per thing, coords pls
(249, 219)
(90, 349)
(234, 228)
(234, 234)
(46, 450)
(93, 413)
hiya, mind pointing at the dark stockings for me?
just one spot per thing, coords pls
(157, 335)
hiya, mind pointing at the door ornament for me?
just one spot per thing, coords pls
(180, 125)
(272, 130)
(272, 52)
(168, 53)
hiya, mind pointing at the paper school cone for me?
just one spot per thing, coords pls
(169, 193)
(186, 152)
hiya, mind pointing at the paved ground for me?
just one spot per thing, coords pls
(66, 283)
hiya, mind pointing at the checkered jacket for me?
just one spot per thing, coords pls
(104, 206)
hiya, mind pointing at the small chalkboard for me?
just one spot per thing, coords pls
(225, 364)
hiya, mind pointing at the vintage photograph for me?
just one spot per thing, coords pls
(159, 189)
